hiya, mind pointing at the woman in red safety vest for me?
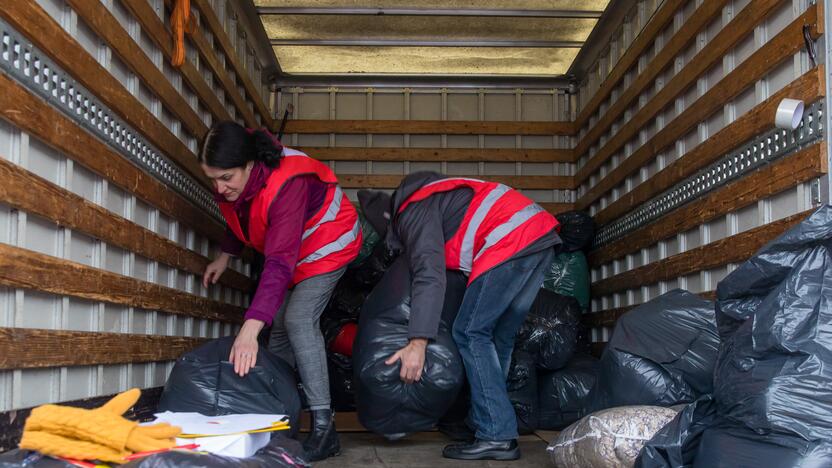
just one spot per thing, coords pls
(504, 242)
(288, 207)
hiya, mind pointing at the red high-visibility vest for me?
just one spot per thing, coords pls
(331, 238)
(499, 223)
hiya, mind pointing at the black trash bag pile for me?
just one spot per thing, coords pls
(385, 404)
(661, 353)
(550, 332)
(280, 452)
(203, 381)
(772, 400)
(577, 230)
(563, 394)
(522, 391)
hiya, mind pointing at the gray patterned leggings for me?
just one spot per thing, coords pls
(296, 335)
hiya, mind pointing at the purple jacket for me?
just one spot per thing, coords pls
(297, 201)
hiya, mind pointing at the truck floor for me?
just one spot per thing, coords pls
(367, 450)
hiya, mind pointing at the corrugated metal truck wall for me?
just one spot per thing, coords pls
(678, 157)
(371, 137)
(106, 222)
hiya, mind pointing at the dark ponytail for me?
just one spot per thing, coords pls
(228, 145)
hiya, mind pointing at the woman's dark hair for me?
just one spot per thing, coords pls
(228, 145)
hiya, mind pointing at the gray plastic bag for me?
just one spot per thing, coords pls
(774, 372)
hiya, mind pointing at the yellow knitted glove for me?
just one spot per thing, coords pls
(103, 427)
(58, 446)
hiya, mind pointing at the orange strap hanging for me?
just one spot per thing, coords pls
(181, 22)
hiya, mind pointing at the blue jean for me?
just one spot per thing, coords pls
(492, 311)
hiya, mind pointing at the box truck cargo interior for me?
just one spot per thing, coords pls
(627, 199)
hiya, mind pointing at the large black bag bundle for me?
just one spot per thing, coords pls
(676, 444)
(522, 391)
(774, 373)
(661, 353)
(203, 381)
(732, 446)
(577, 230)
(550, 332)
(563, 394)
(384, 403)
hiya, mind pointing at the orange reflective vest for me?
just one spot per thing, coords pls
(500, 222)
(331, 238)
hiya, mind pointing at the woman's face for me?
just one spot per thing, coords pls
(228, 182)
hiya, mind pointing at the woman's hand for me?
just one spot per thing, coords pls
(215, 269)
(244, 351)
(412, 357)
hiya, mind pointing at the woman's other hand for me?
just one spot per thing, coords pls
(244, 351)
(215, 269)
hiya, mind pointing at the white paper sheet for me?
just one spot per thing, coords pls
(195, 423)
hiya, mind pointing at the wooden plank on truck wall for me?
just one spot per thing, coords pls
(97, 17)
(27, 269)
(439, 154)
(429, 127)
(377, 181)
(33, 21)
(163, 39)
(208, 54)
(733, 249)
(808, 88)
(786, 173)
(763, 60)
(34, 116)
(643, 41)
(210, 19)
(29, 348)
(28, 192)
(697, 22)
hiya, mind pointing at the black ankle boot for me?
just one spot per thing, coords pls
(322, 441)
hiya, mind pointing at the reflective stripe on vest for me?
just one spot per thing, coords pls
(338, 244)
(330, 214)
(499, 223)
(331, 237)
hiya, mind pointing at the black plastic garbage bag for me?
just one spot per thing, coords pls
(727, 446)
(577, 230)
(203, 381)
(370, 271)
(550, 331)
(568, 275)
(281, 452)
(563, 394)
(522, 391)
(341, 388)
(676, 444)
(661, 353)
(774, 372)
(385, 404)
(346, 300)
(19, 458)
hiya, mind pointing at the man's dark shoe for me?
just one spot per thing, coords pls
(322, 441)
(483, 450)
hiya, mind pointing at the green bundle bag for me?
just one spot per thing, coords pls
(368, 242)
(569, 276)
